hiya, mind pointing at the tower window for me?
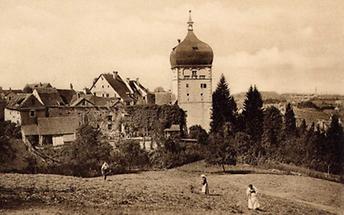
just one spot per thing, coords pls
(194, 74)
(201, 94)
(203, 85)
(187, 94)
(202, 76)
(187, 85)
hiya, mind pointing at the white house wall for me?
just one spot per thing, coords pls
(13, 116)
(102, 88)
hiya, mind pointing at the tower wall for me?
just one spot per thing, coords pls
(193, 90)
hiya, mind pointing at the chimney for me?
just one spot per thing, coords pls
(178, 41)
(71, 86)
(128, 79)
(115, 73)
(137, 80)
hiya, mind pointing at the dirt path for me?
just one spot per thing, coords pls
(166, 192)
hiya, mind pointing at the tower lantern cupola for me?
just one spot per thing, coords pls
(191, 63)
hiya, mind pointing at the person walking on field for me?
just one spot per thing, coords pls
(105, 169)
(205, 188)
(251, 193)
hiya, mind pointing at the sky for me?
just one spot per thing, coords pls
(284, 46)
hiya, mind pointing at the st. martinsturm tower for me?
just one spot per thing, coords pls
(191, 64)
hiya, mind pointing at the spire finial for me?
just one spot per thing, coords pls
(190, 22)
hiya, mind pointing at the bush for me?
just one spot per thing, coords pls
(85, 156)
(131, 155)
(175, 153)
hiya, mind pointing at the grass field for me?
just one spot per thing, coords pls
(174, 191)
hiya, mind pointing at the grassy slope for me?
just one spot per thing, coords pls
(169, 192)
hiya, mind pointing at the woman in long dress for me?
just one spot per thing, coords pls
(205, 188)
(251, 193)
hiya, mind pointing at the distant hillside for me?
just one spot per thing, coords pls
(266, 96)
(311, 107)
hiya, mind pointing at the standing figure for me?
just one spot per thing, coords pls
(105, 169)
(205, 188)
(251, 193)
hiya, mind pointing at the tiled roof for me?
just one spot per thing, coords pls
(20, 101)
(138, 88)
(119, 86)
(96, 101)
(50, 96)
(66, 95)
(52, 126)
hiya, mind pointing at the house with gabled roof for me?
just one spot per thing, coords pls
(49, 97)
(141, 94)
(51, 130)
(111, 85)
(24, 109)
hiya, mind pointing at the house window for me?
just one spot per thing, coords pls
(186, 76)
(109, 126)
(203, 85)
(187, 94)
(107, 95)
(187, 85)
(108, 86)
(202, 76)
(194, 74)
(95, 94)
(109, 118)
(32, 113)
(102, 86)
(201, 94)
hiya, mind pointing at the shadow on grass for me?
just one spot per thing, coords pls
(235, 171)
(214, 194)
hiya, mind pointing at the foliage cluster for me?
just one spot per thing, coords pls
(144, 120)
(258, 135)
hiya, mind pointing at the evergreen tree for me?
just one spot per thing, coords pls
(223, 107)
(272, 131)
(334, 146)
(253, 114)
(302, 128)
(289, 121)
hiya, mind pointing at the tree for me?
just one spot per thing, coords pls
(197, 132)
(289, 121)
(87, 153)
(221, 150)
(223, 106)
(334, 146)
(272, 131)
(8, 133)
(243, 147)
(253, 114)
(302, 128)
